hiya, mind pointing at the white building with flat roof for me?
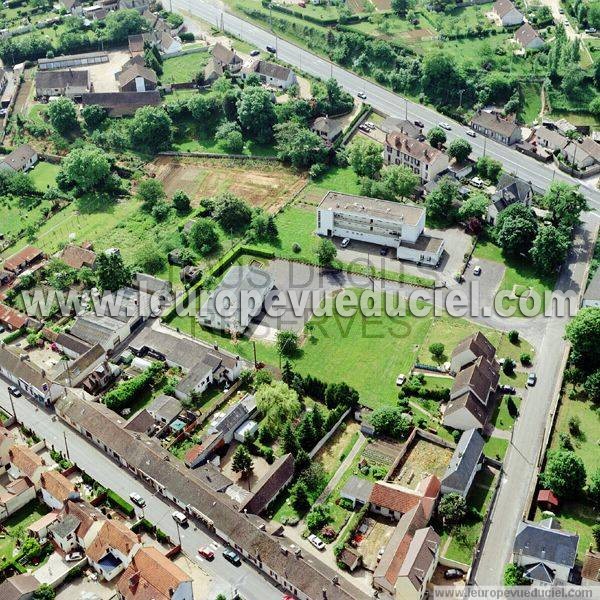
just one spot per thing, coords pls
(381, 222)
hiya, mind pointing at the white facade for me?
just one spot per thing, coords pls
(421, 158)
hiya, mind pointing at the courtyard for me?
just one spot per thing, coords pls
(422, 458)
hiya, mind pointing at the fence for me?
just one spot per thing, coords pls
(328, 435)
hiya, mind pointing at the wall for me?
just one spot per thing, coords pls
(328, 435)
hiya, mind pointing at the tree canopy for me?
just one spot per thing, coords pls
(85, 169)
(564, 474)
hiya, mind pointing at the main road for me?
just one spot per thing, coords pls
(226, 578)
(380, 98)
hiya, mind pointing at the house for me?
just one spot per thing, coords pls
(160, 37)
(77, 257)
(509, 190)
(328, 129)
(591, 297)
(550, 138)
(76, 525)
(71, 84)
(19, 587)
(72, 60)
(545, 551)
(419, 564)
(528, 38)
(239, 297)
(136, 44)
(464, 464)
(590, 574)
(151, 285)
(152, 575)
(7, 441)
(137, 78)
(422, 159)
(22, 260)
(164, 409)
(493, 125)
(222, 59)
(6, 277)
(21, 159)
(201, 363)
(93, 330)
(71, 373)
(547, 500)
(12, 320)
(99, 378)
(583, 154)
(121, 104)
(39, 529)
(381, 222)
(57, 489)
(15, 496)
(142, 422)
(507, 13)
(112, 548)
(72, 6)
(24, 462)
(469, 350)
(357, 490)
(395, 124)
(271, 74)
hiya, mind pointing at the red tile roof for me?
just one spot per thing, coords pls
(27, 255)
(393, 498)
(12, 318)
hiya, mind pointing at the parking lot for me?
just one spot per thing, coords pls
(103, 75)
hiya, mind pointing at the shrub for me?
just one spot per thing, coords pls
(525, 359)
(115, 501)
(575, 426)
(513, 336)
(126, 392)
(509, 366)
(513, 411)
(296, 248)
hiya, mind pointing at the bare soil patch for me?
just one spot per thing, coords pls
(330, 454)
(422, 459)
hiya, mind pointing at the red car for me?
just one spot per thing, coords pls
(206, 552)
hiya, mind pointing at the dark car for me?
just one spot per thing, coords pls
(272, 49)
(420, 124)
(232, 557)
(383, 251)
(453, 574)
(255, 53)
(508, 389)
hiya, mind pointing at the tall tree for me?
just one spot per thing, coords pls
(549, 249)
(365, 157)
(242, 463)
(564, 474)
(85, 169)
(459, 149)
(151, 129)
(62, 115)
(256, 113)
(111, 271)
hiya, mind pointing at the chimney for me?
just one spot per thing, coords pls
(324, 594)
(171, 592)
(134, 580)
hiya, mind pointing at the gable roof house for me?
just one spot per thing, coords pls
(7, 441)
(22, 158)
(152, 575)
(122, 104)
(528, 38)
(15, 496)
(493, 125)
(11, 319)
(469, 350)
(464, 464)
(24, 462)
(57, 489)
(271, 74)
(77, 257)
(392, 124)
(507, 13)
(75, 525)
(550, 138)
(22, 260)
(328, 129)
(221, 59)
(19, 587)
(509, 190)
(545, 551)
(137, 78)
(71, 84)
(71, 373)
(584, 154)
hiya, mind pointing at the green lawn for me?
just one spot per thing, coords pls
(532, 105)
(338, 179)
(495, 448)
(17, 524)
(183, 69)
(190, 138)
(501, 417)
(43, 175)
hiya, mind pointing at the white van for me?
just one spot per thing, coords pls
(180, 517)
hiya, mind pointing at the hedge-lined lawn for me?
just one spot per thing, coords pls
(44, 175)
(532, 104)
(502, 418)
(495, 448)
(17, 524)
(183, 69)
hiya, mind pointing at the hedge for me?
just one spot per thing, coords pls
(127, 391)
(17, 333)
(115, 501)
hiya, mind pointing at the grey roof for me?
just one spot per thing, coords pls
(268, 69)
(165, 407)
(122, 103)
(495, 122)
(18, 586)
(236, 415)
(23, 369)
(62, 528)
(95, 330)
(235, 295)
(62, 79)
(539, 572)
(225, 56)
(592, 291)
(70, 373)
(357, 488)
(210, 476)
(526, 34)
(142, 422)
(147, 283)
(509, 190)
(546, 542)
(391, 124)
(19, 158)
(553, 138)
(68, 57)
(464, 461)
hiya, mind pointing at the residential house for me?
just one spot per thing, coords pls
(547, 500)
(464, 464)
(469, 350)
(72, 60)
(7, 441)
(112, 548)
(164, 409)
(152, 575)
(11, 319)
(591, 297)
(271, 74)
(422, 159)
(71, 373)
(545, 551)
(24, 462)
(66, 343)
(72, 6)
(584, 154)
(493, 125)
(71, 84)
(15, 496)
(222, 59)
(239, 297)
(39, 529)
(57, 489)
(152, 285)
(21, 159)
(139, 5)
(357, 490)
(22, 260)
(122, 104)
(78, 257)
(137, 78)
(528, 38)
(395, 124)
(75, 526)
(550, 138)
(509, 190)
(507, 13)
(19, 587)
(419, 564)
(142, 422)
(590, 574)
(162, 38)
(328, 129)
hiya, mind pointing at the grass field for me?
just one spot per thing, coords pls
(501, 418)
(16, 526)
(44, 175)
(183, 69)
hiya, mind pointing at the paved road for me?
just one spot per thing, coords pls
(226, 578)
(522, 457)
(380, 98)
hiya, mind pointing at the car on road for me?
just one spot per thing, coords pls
(180, 518)
(531, 379)
(206, 552)
(272, 49)
(444, 125)
(362, 95)
(400, 379)
(420, 124)
(477, 270)
(73, 556)
(566, 23)
(14, 391)
(590, 30)
(453, 573)
(345, 242)
(508, 389)
(137, 499)
(470, 133)
(561, 11)
(232, 557)
(255, 53)
(317, 542)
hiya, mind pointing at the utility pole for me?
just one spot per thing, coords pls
(254, 351)
(66, 446)
(12, 403)
(178, 533)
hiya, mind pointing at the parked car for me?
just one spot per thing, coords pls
(383, 252)
(561, 11)
(2, 330)
(531, 379)
(272, 49)
(380, 553)
(477, 270)
(420, 124)
(362, 95)
(255, 53)
(232, 557)
(590, 30)
(345, 242)
(470, 133)
(400, 379)
(453, 573)
(508, 389)
(137, 499)
(317, 542)
(73, 556)
(180, 518)
(444, 125)
(477, 182)
(206, 552)
(14, 391)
